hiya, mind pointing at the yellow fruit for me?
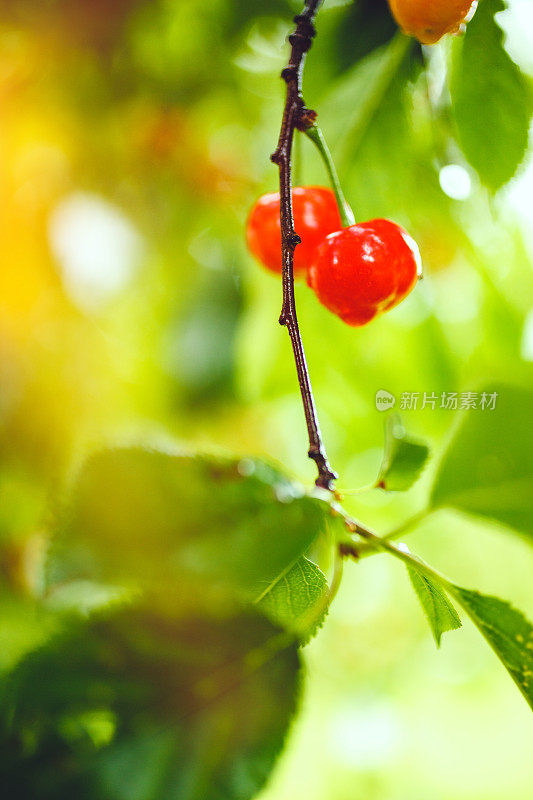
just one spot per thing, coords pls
(429, 20)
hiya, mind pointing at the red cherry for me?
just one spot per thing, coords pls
(315, 215)
(362, 271)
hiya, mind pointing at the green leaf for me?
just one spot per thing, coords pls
(488, 467)
(138, 706)
(403, 460)
(177, 523)
(298, 599)
(354, 100)
(440, 613)
(507, 631)
(490, 99)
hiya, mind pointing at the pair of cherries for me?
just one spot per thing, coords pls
(357, 272)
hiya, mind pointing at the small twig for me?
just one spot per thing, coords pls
(348, 546)
(297, 116)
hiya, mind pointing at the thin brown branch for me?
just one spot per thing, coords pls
(297, 116)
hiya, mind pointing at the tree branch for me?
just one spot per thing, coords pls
(297, 116)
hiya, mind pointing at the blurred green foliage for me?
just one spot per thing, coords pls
(175, 699)
(135, 136)
(488, 473)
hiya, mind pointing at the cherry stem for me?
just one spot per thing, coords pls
(297, 116)
(317, 137)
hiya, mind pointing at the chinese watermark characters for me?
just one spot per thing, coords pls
(448, 401)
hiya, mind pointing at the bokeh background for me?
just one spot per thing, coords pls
(134, 137)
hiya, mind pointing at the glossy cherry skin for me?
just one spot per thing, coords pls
(362, 271)
(430, 20)
(315, 214)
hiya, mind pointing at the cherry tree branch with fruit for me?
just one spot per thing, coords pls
(167, 592)
(356, 271)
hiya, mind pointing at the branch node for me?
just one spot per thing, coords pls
(306, 119)
(348, 550)
(289, 74)
(305, 26)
